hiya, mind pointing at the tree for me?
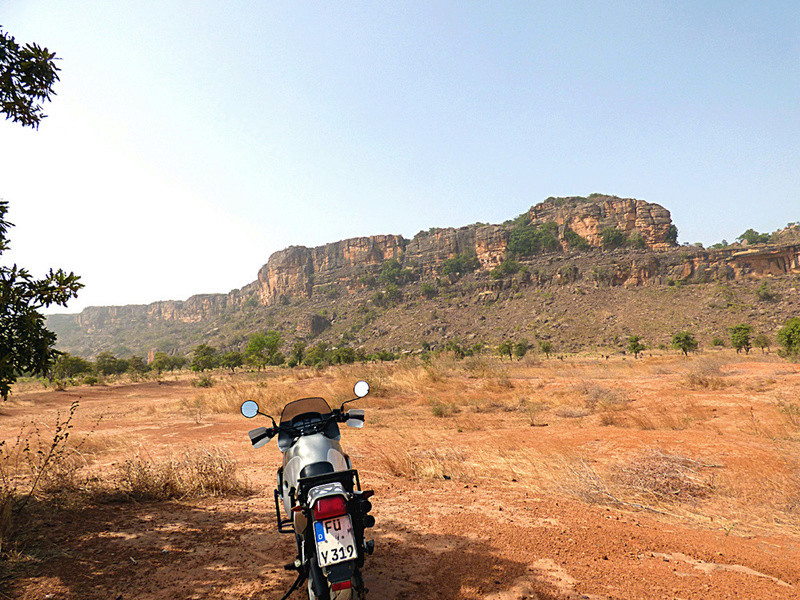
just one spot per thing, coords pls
(685, 342)
(298, 351)
(740, 337)
(26, 346)
(205, 357)
(789, 336)
(107, 364)
(232, 360)
(762, 341)
(137, 366)
(261, 348)
(521, 348)
(68, 366)
(546, 347)
(751, 236)
(161, 362)
(635, 346)
(27, 76)
(506, 348)
(177, 362)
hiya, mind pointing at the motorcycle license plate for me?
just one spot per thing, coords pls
(334, 540)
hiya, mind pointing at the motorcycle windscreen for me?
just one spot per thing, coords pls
(304, 405)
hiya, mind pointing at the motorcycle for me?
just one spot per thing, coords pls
(323, 503)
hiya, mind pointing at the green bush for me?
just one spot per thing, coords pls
(751, 236)
(393, 273)
(612, 238)
(575, 241)
(205, 381)
(460, 264)
(526, 239)
(428, 290)
(789, 337)
(508, 267)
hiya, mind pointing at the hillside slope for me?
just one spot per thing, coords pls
(583, 273)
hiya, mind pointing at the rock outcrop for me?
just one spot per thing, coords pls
(298, 271)
(589, 217)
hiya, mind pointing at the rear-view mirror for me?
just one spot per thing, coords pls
(249, 408)
(361, 389)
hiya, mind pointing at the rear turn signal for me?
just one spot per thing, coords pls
(331, 506)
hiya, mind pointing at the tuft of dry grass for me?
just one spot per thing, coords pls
(706, 373)
(427, 464)
(197, 473)
(666, 477)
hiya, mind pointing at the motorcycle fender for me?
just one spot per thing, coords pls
(323, 491)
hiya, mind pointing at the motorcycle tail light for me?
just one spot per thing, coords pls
(331, 506)
(342, 585)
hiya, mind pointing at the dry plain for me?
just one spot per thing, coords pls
(662, 477)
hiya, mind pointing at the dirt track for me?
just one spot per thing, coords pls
(480, 533)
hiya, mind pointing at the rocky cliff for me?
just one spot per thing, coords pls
(589, 217)
(297, 271)
(306, 291)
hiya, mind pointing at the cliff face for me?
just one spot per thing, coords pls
(297, 270)
(344, 267)
(588, 218)
(194, 310)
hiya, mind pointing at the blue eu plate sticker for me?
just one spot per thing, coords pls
(319, 531)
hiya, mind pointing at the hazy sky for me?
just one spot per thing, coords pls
(190, 140)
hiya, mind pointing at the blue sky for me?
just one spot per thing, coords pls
(190, 140)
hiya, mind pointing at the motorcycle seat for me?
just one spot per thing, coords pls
(317, 468)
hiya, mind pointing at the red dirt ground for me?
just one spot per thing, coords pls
(492, 530)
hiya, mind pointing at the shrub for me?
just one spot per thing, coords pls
(460, 264)
(206, 381)
(612, 238)
(789, 337)
(685, 342)
(428, 290)
(392, 272)
(575, 241)
(507, 267)
(751, 236)
(740, 337)
(526, 239)
(199, 472)
(765, 294)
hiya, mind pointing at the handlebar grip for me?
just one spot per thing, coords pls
(267, 434)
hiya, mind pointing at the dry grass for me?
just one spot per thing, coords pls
(706, 373)
(197, 473)
(427, 464)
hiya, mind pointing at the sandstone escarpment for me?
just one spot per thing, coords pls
(193, 310)
(299, 271)
(590, 217)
